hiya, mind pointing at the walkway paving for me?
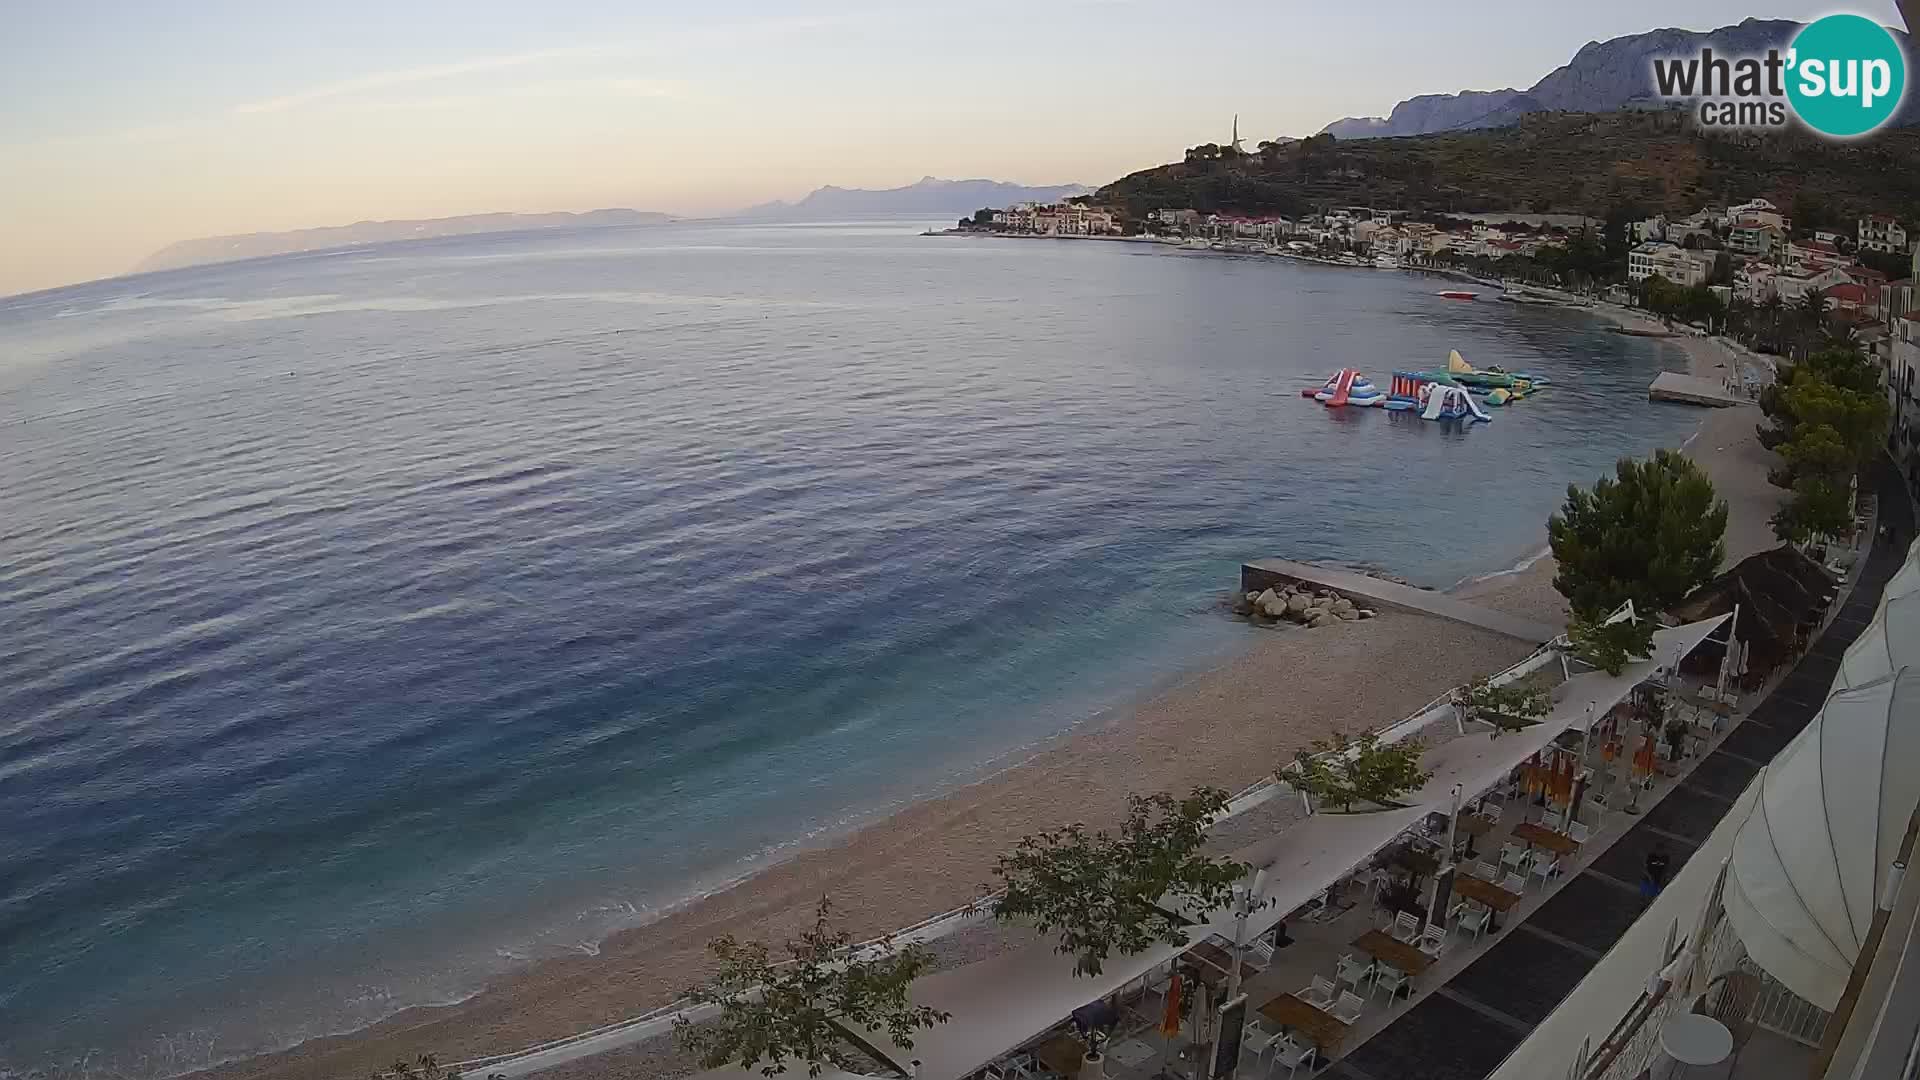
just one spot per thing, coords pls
(1264, 573)
(1467, 1028)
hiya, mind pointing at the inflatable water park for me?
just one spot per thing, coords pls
(1432, 395)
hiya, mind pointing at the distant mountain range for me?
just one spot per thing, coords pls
(254, 245)
(931, 197)
(1602, 77)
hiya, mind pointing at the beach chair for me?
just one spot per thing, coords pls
(1406, 928)
(1352, 971)
(1434, 941)
(1474, 921)
(1391, 979)
(1319, 993)
(1349, 1007)
(1292, 1055)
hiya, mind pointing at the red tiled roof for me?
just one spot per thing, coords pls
(1847, 291)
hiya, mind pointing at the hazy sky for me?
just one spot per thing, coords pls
(128, 125)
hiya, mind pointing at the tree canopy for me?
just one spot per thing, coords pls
(1103, 893)
(1610, 646)
(1650, 533)
(1826, 421)
(1345, 770)
(802, 1009)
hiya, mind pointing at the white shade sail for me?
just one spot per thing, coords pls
(1812, 855)
(1892, 640)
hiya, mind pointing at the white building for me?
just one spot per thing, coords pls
(1676, 264)
(1882, 234)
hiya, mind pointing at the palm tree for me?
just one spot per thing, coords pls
(1773, 307)
(1812, 310)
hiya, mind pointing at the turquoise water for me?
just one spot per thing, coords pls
(384, 619)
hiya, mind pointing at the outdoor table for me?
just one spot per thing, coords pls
(1062, 1054)
(1408, 959)
(1213, 956)
(1473, 826)
(1324, 1030)
(1415, 862)
(1536, 834)
(1486, 893)
(1692, 1039)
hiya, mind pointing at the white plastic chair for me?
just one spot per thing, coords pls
(1292, 1055)
(1580, 833)
(1262, 950)
(1485, 871)
(1406, 928)
(1349, 1008)
(1513, 857)
(1493, 812)
(1545, 871)
(1514, 884)
(1391, 979)
(1474, 921)
(1433, 942)
(1319, 994)
(1353, 972)
(1257, 1041)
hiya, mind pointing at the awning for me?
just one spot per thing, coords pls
(1005, 1000)
(1812, 855)
(1892, 640)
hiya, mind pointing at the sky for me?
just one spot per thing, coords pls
(126, 125)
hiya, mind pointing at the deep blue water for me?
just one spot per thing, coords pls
(376, 620)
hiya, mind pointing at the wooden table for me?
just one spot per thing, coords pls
(1487, 893)
(1214, 957)
(1473, 826)
(1394, 952)
(1062, 1054)
(1324, 1030)
(1538, 835)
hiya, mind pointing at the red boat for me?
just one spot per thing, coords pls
(1457, 294)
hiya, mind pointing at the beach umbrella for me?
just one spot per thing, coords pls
(1170, 1022)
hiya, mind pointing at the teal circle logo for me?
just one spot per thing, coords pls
(1846, 75)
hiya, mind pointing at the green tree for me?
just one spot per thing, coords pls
(1651, 533)
(1820, 506)
(1101, 893)
(1610, 646)
(1508, 707)
(803, 1009)
(1345, 770)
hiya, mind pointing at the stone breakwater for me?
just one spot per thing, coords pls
(1300, 604)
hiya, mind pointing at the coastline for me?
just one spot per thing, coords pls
(1226, 726)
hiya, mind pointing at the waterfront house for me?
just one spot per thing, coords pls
(1882, 234)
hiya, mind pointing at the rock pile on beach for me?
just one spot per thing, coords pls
(1299, 604)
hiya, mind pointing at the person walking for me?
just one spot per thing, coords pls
(1655, 877)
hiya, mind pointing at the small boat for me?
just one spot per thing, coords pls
(1458, 294)
(1517, 383)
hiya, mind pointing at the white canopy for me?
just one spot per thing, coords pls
(1892, 640)
(1812, 855)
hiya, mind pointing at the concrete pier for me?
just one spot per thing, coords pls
(1266, 573)
(1687, 390)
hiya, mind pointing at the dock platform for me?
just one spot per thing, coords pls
(1687, 390)
(1265, 573)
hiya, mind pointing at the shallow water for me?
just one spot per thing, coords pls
(379, 620)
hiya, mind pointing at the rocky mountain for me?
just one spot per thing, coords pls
(1426, 113)
(1601, 77)
(254, 245)
(930, 197)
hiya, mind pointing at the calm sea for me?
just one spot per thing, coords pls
(376, 621)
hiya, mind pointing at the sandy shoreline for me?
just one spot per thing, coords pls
(1226, 726)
